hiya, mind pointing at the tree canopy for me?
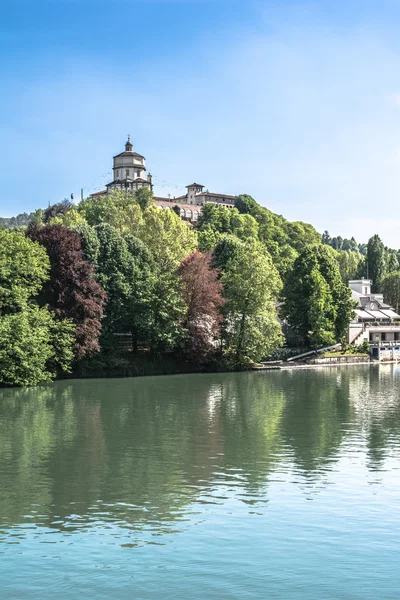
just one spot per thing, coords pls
(316, 302)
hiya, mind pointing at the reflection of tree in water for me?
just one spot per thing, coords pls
(316, 417)
(32, 422)
(250, 410)
(375, 396)
(146, 448)
(140, 452)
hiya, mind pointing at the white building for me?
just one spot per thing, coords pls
(129, 170)
(375, 321)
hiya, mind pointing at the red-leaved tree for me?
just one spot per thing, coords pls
(72, 291)
(201, 291)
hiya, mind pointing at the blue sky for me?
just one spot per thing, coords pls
(296, 103)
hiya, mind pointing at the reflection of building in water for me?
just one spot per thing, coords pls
(375, 398)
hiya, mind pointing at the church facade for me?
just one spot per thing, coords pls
(129, 174)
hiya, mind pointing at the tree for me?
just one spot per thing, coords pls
(376, 261)
(168, 237)
(90, 242)
(245, 204)
(391, 289)
(72, 291)
(392, 260)
(316, 302)
(24, 267)
(72, 218)
(34, 346)
(144, 197)
(251, 285)
(143, 297)
(221, 219)
(351, 264)
(118, 208)
(326, 238)
(57, 210)
(201, 291)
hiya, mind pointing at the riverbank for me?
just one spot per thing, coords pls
(124, 365)
(315, 365)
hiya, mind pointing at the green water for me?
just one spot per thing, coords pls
(247, 486)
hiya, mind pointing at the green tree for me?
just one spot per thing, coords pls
(251, 285)
(351, 264)
(391, 289)
(316, 302)
(245, 204)
(376, 261)
(144, 197)
(118, 208)
(34, 346)
(143, 297)
(168, 237)
(392, 260)
(221, 219)
(24, 267)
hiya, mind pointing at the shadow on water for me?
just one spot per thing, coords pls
(142, 453)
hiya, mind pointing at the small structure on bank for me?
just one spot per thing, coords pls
(129, 170)
(375, 321)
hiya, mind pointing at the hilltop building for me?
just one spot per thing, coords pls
(129, 170)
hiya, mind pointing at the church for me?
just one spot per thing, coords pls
(129, 174)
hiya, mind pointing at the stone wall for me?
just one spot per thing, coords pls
(333, 360)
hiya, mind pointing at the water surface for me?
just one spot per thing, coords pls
(255, 485)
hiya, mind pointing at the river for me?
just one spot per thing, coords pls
(255, 485)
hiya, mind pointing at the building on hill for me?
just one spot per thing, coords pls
(375, 321)
(129, 170)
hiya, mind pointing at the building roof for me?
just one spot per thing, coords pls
(195, 185)
(128, 153)
(101, 193)
(129, 180)
(215, 195)
(391, 314)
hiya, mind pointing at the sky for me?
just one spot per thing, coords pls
(294, 102)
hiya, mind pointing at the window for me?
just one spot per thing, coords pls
(195, 215)
(182, 212)
(117, 174)
(383, 337)
(366, 291)
(189, 214)
(127, 172)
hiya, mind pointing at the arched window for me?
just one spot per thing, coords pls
(182, 212)
(188, 214)
(195, 215)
